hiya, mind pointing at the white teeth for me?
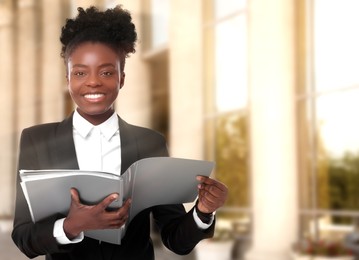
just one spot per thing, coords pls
(93, 96)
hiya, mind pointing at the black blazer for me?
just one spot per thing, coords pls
(51, 146)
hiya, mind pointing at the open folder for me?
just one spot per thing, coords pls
(148, 182)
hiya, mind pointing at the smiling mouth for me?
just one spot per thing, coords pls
(94, 96)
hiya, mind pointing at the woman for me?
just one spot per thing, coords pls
(95, 45)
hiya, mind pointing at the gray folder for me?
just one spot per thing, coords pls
(148, 182)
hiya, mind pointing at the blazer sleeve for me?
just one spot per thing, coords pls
(179, 231)
(32, 239)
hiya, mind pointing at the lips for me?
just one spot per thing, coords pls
(94, 97)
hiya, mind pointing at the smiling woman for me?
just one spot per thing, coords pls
(94, 137)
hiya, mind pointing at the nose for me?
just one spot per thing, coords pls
(93, 80)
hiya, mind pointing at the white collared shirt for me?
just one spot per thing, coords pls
(98, 148)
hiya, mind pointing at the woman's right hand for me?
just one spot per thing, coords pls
(83, 217)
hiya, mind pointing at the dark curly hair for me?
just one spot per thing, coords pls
(112, 27)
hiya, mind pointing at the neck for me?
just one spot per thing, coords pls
(97, 119)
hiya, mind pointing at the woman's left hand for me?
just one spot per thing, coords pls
(211, 194)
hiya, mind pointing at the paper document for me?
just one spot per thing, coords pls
(149, 182)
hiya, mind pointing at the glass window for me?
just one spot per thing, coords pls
(328, 139)
(338, 127)
(231, 64)
(232, 156)
(336, 41)
(338, 150)
(155, 17)
(226, 113)
(160, 10)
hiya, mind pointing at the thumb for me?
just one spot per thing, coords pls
(74, 196)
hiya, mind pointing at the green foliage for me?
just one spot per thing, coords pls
(232, 158)
(344, 183)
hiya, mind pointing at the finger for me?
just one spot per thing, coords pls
(124, 210)
(116, 218)
(120, 217)
(212, 194)
(215, 191)
(210, 181)
(209, 198)
(108, 200)
(206, 181)
(201, 178)
(205, 194)
(75, 196)
(118, 222)
(126, 206)
(209, 204)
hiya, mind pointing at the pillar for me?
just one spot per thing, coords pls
(186, 84)
(53, 83)
(27, 71)
(134, 100)
(272, 121)
(7, 175)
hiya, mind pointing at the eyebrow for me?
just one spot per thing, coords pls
(101, 66)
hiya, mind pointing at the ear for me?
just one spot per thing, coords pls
(122, 79)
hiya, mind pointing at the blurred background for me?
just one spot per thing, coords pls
(268, 90)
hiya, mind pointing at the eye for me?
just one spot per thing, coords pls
(79, 73)
(107, 73)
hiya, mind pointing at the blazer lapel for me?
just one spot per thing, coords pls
(65, 146)
(129, 150)
(66, 152)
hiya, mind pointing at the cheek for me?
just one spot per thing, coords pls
(115, 93)
(69, 88)
(73, 92)
(73, 85)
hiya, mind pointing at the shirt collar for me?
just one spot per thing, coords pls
(108, 128)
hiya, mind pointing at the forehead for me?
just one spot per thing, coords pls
(90, 53)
